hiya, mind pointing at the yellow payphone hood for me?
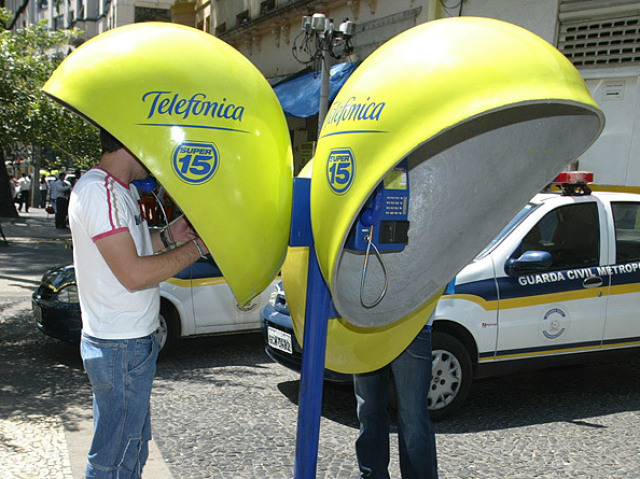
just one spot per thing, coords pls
(206, 124)
(485, 113)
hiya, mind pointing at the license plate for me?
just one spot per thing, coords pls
(279, 340)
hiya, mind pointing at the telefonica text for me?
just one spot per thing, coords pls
(355, 110)
(169, 103)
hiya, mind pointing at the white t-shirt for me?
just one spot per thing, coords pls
(24, 183)
(60, 189)
(101, 206)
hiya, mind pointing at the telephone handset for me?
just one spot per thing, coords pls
(384, 217)
(382, 224)
(147, 184)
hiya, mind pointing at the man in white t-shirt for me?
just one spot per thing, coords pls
(117, 276)
(24, 187)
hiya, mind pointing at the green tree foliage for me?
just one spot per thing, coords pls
(29, 120)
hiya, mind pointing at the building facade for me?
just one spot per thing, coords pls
(601, 38)
(91, 16)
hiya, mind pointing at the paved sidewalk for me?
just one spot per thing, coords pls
(45, 409)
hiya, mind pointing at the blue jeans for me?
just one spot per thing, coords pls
(416, 437)
(121, 374)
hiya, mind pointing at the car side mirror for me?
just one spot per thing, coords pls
(529, 262)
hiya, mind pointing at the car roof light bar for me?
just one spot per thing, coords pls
(574, 183)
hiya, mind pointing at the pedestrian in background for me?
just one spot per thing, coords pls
(43, 191)
(118, 274)
(24, 189)
(416, 437)
(13, 186)
(60, 190)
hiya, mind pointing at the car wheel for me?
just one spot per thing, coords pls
(167, 332)
(452, 373)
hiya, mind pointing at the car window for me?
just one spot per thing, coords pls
(515, 221)
(626, 220)
(571, 233)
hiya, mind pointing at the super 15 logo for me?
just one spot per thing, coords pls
(195, 162)
(341, 169)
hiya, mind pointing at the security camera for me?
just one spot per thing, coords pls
(318, 22)
(306, 23)
(347, 28)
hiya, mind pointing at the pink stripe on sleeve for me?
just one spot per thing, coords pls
(109, 233)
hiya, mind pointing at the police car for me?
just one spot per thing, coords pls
(195, 302)
(559, 284)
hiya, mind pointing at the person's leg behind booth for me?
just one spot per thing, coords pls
(372, 445)
(416, 437)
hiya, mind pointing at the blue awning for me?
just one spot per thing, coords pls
(301, 96)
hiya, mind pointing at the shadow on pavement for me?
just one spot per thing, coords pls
(569, 394)
(338, 401)
(39, 376)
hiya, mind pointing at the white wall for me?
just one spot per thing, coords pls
(538, 16)
(615, 157)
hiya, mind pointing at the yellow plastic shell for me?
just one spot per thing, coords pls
(206, 124)
(424, 85)
(486, 113)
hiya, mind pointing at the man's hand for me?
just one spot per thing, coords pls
(182, 231)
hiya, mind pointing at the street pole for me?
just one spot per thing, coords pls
(324, 86)
(319, 30)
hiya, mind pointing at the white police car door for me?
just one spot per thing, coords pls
(215, 308)
(623, 327)
(561, 309)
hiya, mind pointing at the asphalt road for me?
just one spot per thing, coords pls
(221, 409)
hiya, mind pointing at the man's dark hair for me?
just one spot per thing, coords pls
(108, 142)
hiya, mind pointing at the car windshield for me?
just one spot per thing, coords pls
(515, 221)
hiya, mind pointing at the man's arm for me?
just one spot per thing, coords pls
(180, 232)
(139, 272)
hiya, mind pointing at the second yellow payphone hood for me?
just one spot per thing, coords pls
(486, 113)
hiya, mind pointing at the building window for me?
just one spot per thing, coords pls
(220, 29)
(146, 14)
(267, 6)
(242, 18)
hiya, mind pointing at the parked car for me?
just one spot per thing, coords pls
(281, 344)
(195, 302)
(559, 284)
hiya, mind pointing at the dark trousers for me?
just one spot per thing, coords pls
(24, 200)
(416, 436)
(62, 206)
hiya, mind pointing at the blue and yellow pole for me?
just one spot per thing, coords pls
(312, 375)
(317, 311)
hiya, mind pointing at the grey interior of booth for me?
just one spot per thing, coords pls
(465, 185)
